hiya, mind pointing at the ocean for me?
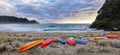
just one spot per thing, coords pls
(47, 28)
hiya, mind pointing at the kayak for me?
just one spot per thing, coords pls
(76, 38)
(71, 38)
(62, 41)
(56, 40)
(87, 38)
(81, 41)
(46, 43)
(71, 42)
(104, 37)
(112, 36)
(29, 45)
(92, 40)
(97, 38)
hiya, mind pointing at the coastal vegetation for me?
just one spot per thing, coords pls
(108, 17)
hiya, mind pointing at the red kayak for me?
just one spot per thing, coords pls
(56, 40)
(92, 40)
(112, 36)
(46, 43)
(71, 42)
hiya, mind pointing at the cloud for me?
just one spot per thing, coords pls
(5, 6)
(81, 17)
(50, 10)
(85, 15)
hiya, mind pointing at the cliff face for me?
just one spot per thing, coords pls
(108, 16)
(12, 19)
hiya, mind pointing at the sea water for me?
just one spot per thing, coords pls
(47, 28)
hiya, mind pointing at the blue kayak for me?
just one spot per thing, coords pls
(81, 41)
(62, 41)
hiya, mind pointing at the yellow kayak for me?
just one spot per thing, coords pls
(97, 38)
(29, 45)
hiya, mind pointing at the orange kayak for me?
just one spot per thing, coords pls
(97, 38)
(46, 43)
(29, 45)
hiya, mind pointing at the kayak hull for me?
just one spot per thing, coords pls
(29, 46)
(56, 40)
(71, 42)
(46, 43)
(92, 40)
(80, 41)
(112, 36)
(97, 38)
(62, 41)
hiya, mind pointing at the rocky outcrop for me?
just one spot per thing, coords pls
(108, 17)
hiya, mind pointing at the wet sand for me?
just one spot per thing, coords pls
(11, 41)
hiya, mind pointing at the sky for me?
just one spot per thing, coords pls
(52, 11)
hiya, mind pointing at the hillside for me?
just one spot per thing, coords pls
(108, 17)
(12, 19)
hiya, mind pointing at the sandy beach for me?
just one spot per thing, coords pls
(59, 27)
(11, 41)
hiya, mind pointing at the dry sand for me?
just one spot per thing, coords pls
(11, 41)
